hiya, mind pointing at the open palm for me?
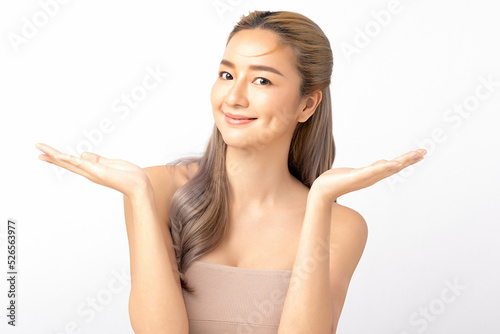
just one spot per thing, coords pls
(339, 181)
(117, 174)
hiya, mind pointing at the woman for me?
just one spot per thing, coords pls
(247, 238)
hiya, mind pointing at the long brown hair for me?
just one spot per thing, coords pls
(199, 209)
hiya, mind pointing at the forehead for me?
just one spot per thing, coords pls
(259, 46)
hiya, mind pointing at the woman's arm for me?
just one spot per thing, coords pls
(156, 302)
(312, 290)
(315, 296)
(308, 306)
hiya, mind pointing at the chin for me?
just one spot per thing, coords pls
(237, 140)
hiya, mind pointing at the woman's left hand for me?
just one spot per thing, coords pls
(336, 182)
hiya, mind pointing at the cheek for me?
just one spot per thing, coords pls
(280, 108)
(213, 94)
(216, 95)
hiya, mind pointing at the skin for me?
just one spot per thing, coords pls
(267, 204)
(257, 153)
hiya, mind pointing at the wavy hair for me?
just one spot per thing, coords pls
(199, 209)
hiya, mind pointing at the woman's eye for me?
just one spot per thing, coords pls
(221, 74)
(264, 81)
(226, 76)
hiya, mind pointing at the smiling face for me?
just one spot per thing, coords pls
(257, 79)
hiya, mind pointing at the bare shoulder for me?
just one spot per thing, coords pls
(348, 221)
(348, 236)
(349, 233)
(186, 172)
(166, 179)
(163, 178)
(347, 242)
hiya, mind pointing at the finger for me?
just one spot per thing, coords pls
(78, 165)
(408, 159)
(382, 169)
(54, 155)
(74, 164)
(92, 157)
(376, 171)
(76, 161)
(383, 165)
(411, 156)
(66, 161)
(50, 155)
(47, 149)
(379, 163)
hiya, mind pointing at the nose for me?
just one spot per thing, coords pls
(237, 94)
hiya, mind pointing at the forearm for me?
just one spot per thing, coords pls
(156, 301)
(308, 307)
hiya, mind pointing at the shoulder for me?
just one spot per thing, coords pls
(349, 233)
(167, 179)
(349, 221)
(163, 179)
(347, 242)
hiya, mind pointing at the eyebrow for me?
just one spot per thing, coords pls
(253, 67)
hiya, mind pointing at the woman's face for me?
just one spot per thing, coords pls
(257, 79)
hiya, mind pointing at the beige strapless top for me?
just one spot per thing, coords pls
(232, 300)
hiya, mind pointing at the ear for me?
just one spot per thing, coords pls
(309, 104)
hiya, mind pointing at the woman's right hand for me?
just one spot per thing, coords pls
(117, 174)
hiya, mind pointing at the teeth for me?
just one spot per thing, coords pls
(242, 119)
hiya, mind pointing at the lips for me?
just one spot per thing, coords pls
(239, 117)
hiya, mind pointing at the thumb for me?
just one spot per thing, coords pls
(91, 157)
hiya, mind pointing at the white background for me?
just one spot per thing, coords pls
(434, 223)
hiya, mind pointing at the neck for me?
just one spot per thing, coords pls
(259, 177)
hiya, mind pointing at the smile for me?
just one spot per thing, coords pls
(240, 121)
